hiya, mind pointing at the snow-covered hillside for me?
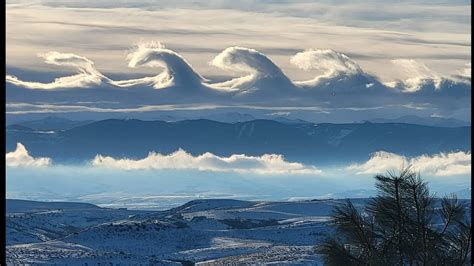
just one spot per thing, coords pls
(207, 232)
(200, 232)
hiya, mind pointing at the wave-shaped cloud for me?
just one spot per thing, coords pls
(261, 72)
(177, 71)
(21, 157)
(329, 61)
(87, 76)
(419, 76)
(466, 72)
(265, 164)
(342, 83)
(442, 164)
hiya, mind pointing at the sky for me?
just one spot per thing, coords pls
(412, 56)
(326, 61)
(372, 33)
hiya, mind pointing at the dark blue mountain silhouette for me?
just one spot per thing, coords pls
(315, 143)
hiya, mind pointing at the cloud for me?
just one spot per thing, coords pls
(465, 73)
(246, 60)
(261, 72)
(87, 75)
(397, 28)
(341, 76)
(343, 83)
(419, 75)
(177, 71)
(442, 164)
(20, 158)
(330, 62)
(265, 164)
(28, 108)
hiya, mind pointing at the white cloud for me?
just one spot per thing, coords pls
(329, 61)
(442, 164)
(262, 74)
(87, 75)
(246, 60)
(28, 108)
(21, 157)
(466, 72)
(177, 71)
(418, 74)
(332, 63)
(279, 114)
(401, 29)
(265, 164)
(256, 65)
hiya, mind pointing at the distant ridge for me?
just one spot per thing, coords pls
(52, 123)
(321, 143)
(18, 205)
(426, 121)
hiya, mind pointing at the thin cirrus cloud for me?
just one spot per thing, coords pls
(20, 157)
(265, 164)
(442, 164)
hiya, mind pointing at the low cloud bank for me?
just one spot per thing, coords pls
(439, 165)
(21, 157)
(265, 164)
(442, 164)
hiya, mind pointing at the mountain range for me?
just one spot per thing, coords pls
(305, 142)
(427, 121)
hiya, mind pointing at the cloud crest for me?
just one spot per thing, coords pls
(419, 75)
(177, 71)
(329, 61)
(342, 83)
(21, 158)
(87, 76)
(442, 164)
(465, 73)
(265, 164)
(261, 71)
